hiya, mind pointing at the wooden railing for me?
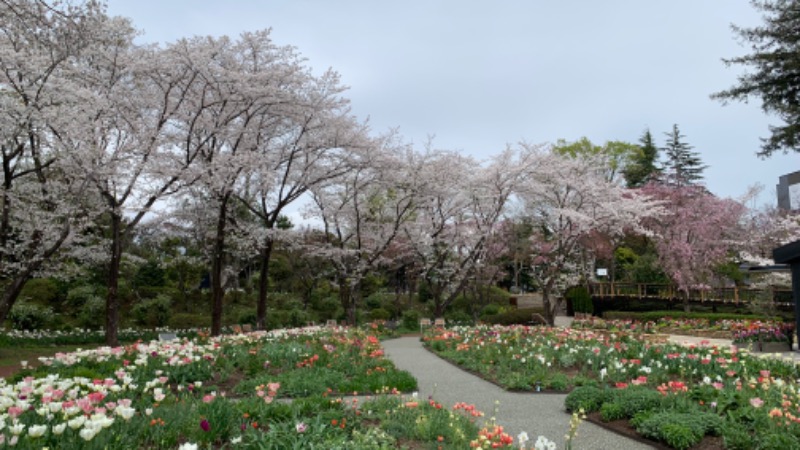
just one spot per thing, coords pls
(735, 295)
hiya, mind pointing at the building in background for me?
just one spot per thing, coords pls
(789, 191)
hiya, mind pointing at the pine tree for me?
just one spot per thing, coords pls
(682, 167)
(774, 71)
(642, 167)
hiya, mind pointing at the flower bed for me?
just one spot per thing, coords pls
(79, 336)
(765, 333)
(656, 387)
(718, 329)
(227, 391)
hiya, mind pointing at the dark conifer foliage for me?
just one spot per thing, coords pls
(773, 72)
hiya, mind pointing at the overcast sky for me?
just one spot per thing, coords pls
(482, 74)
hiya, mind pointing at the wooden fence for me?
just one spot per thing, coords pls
(781, 297)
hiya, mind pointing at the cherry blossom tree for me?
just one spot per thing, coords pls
(764, 229)
(363, 211)
(267, 131)
(245, 97)
(498, 250)
(163, 110)
(698, 233)
(459, 211)
(309, 148)
(568, 200)
(47, 55)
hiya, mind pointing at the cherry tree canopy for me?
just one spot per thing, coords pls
(698, 232)
(364, 210)
(568, 200)
(51, 78)
(460, 208)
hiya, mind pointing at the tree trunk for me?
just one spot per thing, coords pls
(263, 286)
(686, 306)
(217, 265)
(11, 293)
(12, 290)
(549, 307)
(345, 299)
(112, 297)
(613, 265)
(438, 302)
(351, 314)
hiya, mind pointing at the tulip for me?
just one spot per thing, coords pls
(36, 431)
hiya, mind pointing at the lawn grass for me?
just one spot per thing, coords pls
(11, 357)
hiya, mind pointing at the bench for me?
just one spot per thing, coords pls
(423, 323)
(439, 323)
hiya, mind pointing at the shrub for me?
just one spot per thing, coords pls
(514, 317)
(43, 291)
(490, 310)
(27, 316)
(276, 318)
(558, 382)
(149, 274)
(92, 312)
(299, 318)
(458, 318)
(637, 399)
(410, 319)
(236, 297)
(678, 429)
(328, 307)
(498, 295)
(680, 435)
(182, 321)
(611, 411)
(379, 314)
(284, 300)
(736, 437)
(656, 315)
(581, 299)
(150, 291)
(152, 312)
(581, 380)
(778, 441)
(79, 295)
(590, 398)
(249, 315)
(515, 381)
(379, 300)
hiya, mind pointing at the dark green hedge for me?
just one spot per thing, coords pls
(655, 316)
(522, 316)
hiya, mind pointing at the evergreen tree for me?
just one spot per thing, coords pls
(775, 71)
(682, 167)
(642, 166)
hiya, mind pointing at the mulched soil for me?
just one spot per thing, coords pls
(7, 371)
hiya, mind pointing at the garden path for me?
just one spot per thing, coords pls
(536, 414)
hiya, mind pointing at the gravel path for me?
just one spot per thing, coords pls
(536, 414)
